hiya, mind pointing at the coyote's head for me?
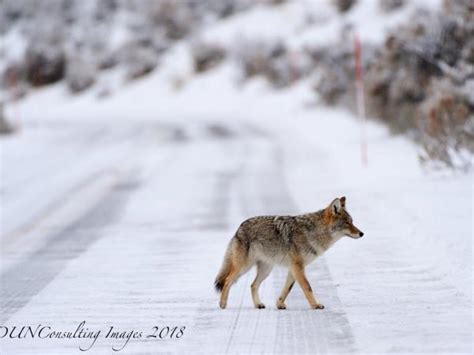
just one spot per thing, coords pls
(340, 220)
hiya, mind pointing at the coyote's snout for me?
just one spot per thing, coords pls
(293, 241)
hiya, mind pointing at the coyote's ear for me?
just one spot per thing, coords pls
(343, 201)
(335, 206)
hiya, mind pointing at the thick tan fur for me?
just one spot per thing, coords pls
(292, 241)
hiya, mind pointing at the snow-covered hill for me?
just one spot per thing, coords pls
(416, 55)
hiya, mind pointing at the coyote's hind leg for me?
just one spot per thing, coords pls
(263, 270)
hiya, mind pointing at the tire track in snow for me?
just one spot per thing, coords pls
(23, 281)
(297, 330)
(52, 207)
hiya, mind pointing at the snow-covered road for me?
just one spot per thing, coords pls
(146, 252)
(125, 225)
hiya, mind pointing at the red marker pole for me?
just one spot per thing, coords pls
(12, 99)
(294, 68)
(360, 98)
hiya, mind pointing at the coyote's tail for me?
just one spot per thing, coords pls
(225, 268)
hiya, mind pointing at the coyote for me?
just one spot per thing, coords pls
(293, 241)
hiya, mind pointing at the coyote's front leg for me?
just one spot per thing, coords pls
(297, 269)
(290, 281)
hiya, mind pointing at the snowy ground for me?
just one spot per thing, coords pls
(117, 212)
(124, 220)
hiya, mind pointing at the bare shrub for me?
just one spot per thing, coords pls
(45, 63)
(206, 56)
(176, 20)
(395, 84)
(137, 60)
(445, 122)
(56, 29)
(419, 82)
(80, 74)
(272, 60)
(391, 5)
(335, 71)
(344, 5)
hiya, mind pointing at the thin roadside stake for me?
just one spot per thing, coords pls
(360, 99)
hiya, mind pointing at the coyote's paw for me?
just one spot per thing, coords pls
(223, 305)
(317, 306)
(260, 306)
(281, 305)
